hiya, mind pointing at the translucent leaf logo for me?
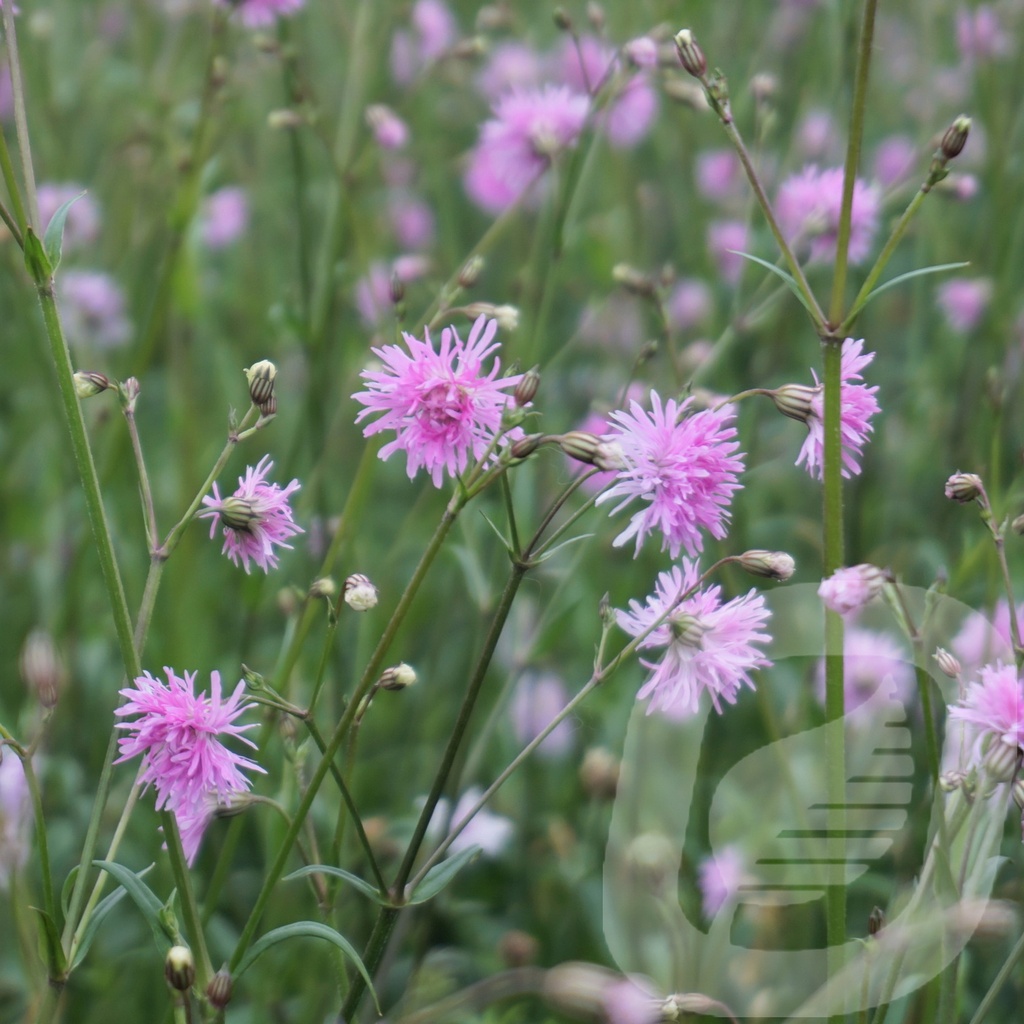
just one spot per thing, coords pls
(767, 844)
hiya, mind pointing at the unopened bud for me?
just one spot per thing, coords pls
(1018, 525)
(396, 289)
(577, 989)
(591, 450)
(220, 989)
(689, 1002)
(526, 389)
(964, 487)
(41, 667)
(599, 773)
(1001, 760)
(285, 119)
(260, 378)
(595, 15)
(129, 391)
(1018, 792)
(469, 49)
(525, 446)
(955, 137)
(507, 316)
(323, 587)
(773, 565)
(948, 664)
(794, 400)
(471, 271)
(180, 968)
(634, 280)
(687, 629)
(876, 921)
(561, 18)
(238, 514)
(691, 56)
(764, 86)
(398, 677)
(360, 593)
(653, 858)
(89, 383)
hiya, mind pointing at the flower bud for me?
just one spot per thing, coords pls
(876, 921)
(238, 514)
(89, 383)
(1001, 760)
(323, 587)
(41, 667)
(595, 15)
(396, 288)
(260, 377)
(220, 989)
(526, 389)
(470, 272)
(398, 677)
(526, 446)
(964, 487)
(691, 56)
(284, 120)
(129, 391)
(687, 629)
(599, 773)
(955, 137)
(1018, 525)
(948, 664)
(360, 593)
(507, 316)
(561, 18)
(180, 968)
(389, 130)
(591, 450)
(689, 1003)
(773, 565)
(633, 280)
(794, 400)
(653, 858)
(1018, 792)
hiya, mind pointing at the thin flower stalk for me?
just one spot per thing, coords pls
(30, 216)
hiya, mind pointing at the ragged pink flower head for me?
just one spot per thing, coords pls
(849, 589)
(442, 406)
(707, 646)
(995, 705)
(529, 128)
(808, 208)
(683, 466)
(412, 220)
(178, 733)
(857, 405)
(537, 700)
(262, 13)
(257, 518)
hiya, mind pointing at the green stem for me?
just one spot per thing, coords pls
(1016, 954)
(15, 220)
(148, 511)
(20, 123)
(853, 145)
(42, 845)
(187, 898)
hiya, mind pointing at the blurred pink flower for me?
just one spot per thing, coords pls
(256, 518)
(516, 146)
(178, 735)
(707, 646)
(433, 31)
(92, 309)
(857, 404)
(389, 130)
(873, 660)
(631, 1000)
(980, 35)
(984, 639)
(895, 158)
(15, 818)
(726, 238)
(82, 225)
(683, 466)
(849, 589)
(373, 290)
(807, 208)
(491, 832)
(690, 304)
(963, 301)
(642, 52)
(262, 13)
(719, 175)
(412, 221)
(224, 217)
(995, 705)
(441, 405)
(536, 701)
(816, 135)
(511, 66)
(719, 877)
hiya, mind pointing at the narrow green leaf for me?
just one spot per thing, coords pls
(103, 908)
(50, 949)
(441, 874)
(142, 896)
(920, 272)
(53, 239)
(36, 261)
(307, 929)
(562, 545)
(789, 280)
(360, 883)
(497, 533)
(65, 892)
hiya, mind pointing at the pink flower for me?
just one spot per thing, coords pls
(389, 130)
(178, 735)
(92, 308)
(963, 301)
(848, 589)
(373, 290)
(995, 705)
(262, 13)
(515, 147)
(873, 661)
(719, 175)
(434, 31)
(441, 405)
(690, 304)
(720, 877)
(895, 158)
(82, 225)
(707, 646)
(491, 832)
(224, 217)
(511, 65)
(979, 34)
(982, 639)
(256, 518)
(642, 52)
(857, 405)
(631, 1000)
(816, 134)
(412, 221)
(727, 238)
(808, 206)
(536, 701)
(15, 818)
(683, 467)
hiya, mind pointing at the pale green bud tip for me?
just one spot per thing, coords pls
(129, 391)
(688, 1003)
(471, 271)
(526, 446)
(948, 664)
(955, 137)
(634, 280)
(653, 857)
(282, 120)
(591, 450)
(220, 989)
(876, 921)
(773, 565)
(180, 968)
(360, 593)
(691, 56)
(89, 383)
(526, 389)
(964, 487)
(238, 514)
(398, 677)
(260, 378)
(507, 316)
(323, 587)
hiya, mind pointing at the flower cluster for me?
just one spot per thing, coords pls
(256, 518)
(441, 405)
(683, 468)
(708, 646)
(994, 706)
(177, 733)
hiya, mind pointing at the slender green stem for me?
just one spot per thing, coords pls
(187, 898)
(42, 844)
(148, 510)
(31, 214)
(854, 139)
(14, 218)
(1015, 957)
